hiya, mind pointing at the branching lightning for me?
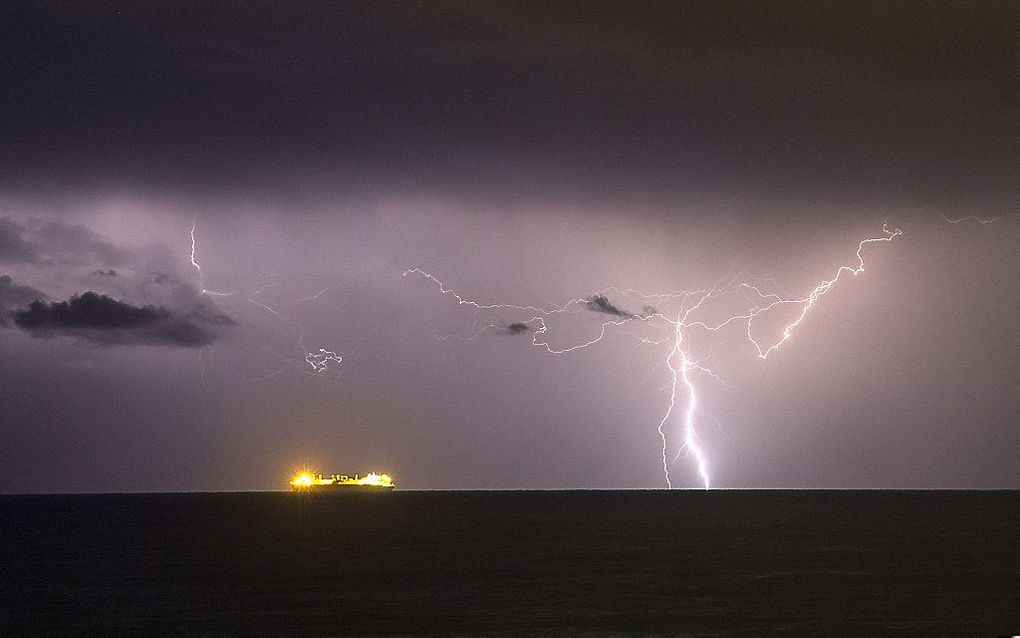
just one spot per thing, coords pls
(809, 301)
(319, 360)
(680, 359)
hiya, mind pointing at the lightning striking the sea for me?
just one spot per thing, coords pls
(760, 294)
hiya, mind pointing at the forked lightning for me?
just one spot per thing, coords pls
(682, 323)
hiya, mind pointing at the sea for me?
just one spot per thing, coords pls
(700, 563)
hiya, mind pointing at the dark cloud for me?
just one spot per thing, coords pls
(566, 96)
(105, 321)
(109, 272)
(516, 328)
(14, 295)
(599, 303)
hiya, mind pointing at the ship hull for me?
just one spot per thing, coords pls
(343, 489)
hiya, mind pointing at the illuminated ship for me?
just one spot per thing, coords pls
(371, 482)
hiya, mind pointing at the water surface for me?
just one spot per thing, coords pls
(534, 562)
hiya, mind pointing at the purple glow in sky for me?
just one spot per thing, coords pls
(222, 242)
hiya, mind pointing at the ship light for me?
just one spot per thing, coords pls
(376, 479)
(302, 480)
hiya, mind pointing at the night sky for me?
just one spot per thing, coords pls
(522, 154)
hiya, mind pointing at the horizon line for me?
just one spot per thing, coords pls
(545, 489)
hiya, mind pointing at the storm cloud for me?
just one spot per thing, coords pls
(516, 328)
(102, 320)
(600, 303)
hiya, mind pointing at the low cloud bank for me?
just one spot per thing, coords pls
(102, 320)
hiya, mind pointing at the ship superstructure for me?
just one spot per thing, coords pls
(371, 482)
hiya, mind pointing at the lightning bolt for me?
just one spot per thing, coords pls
(679, 359)
(194, 262)
(194, 226)
(689, 433)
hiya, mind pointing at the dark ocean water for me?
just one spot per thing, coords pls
(717, 562)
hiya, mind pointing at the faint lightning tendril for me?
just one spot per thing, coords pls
(981, 220)
(251, 300)
(313, 297)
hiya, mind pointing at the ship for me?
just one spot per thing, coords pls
(371, 482)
